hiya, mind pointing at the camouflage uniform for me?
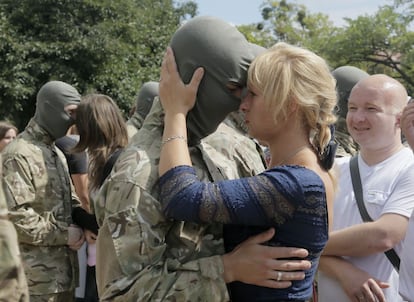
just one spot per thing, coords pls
(12, 279)
(142, 256)
(145, 97)
(346, 145)
(38, 194)
(346, 78)
(243, 152)
(234, 122)
(133, 124)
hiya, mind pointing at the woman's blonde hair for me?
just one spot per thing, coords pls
(102, 130)
(289, 76)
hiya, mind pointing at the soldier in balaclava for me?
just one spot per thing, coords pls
(141, 255)
(52, 112)
(146, 95)
(346, 78)
(39, 196)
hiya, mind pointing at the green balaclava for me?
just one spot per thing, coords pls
(225, 55)
(346, 78)
(146, 95)
(235, 119)
(50, 113)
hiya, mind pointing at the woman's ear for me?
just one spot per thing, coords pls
(292, 107)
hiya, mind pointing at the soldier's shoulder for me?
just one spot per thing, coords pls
(227, 137)
(20, 146)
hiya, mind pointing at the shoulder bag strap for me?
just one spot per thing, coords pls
(357, 186)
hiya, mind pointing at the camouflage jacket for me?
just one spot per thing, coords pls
(38, 190)
(142, 256)
(12, 279)
(346, 145)
(134, 124)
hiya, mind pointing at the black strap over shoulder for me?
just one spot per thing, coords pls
(357, 186)
(109, 164)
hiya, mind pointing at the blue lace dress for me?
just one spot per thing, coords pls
(291, 199)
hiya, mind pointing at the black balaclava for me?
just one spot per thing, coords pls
(146, 95)
(225, 55)
(346, 78)
(50, 113)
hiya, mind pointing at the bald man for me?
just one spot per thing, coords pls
(354, 266)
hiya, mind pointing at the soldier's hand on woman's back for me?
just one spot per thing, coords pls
(254, 263)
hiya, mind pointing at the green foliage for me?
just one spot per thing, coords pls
(381, 43)
(106, 46)
(295, 24)
(378, 43)
(256, 34)
(113, 47)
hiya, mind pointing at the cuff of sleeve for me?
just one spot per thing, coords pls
(212, 267)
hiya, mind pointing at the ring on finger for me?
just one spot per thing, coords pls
(279, 276)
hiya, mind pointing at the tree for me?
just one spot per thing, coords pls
(255, 33)
(295, 24)
(96, 45)
(378, 43)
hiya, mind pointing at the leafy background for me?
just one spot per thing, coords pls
(113, 47)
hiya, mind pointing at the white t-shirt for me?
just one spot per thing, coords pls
(407, 263)
(388, 187)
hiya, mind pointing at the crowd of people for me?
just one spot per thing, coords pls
(309, 197)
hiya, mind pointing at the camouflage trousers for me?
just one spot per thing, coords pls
(13, 285)
(59, 297)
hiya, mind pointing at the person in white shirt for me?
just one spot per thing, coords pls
(406, 288)
(353, 266)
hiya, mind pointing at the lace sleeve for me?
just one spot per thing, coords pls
(268, 198)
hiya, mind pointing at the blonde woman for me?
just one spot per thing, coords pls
(289, 106)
